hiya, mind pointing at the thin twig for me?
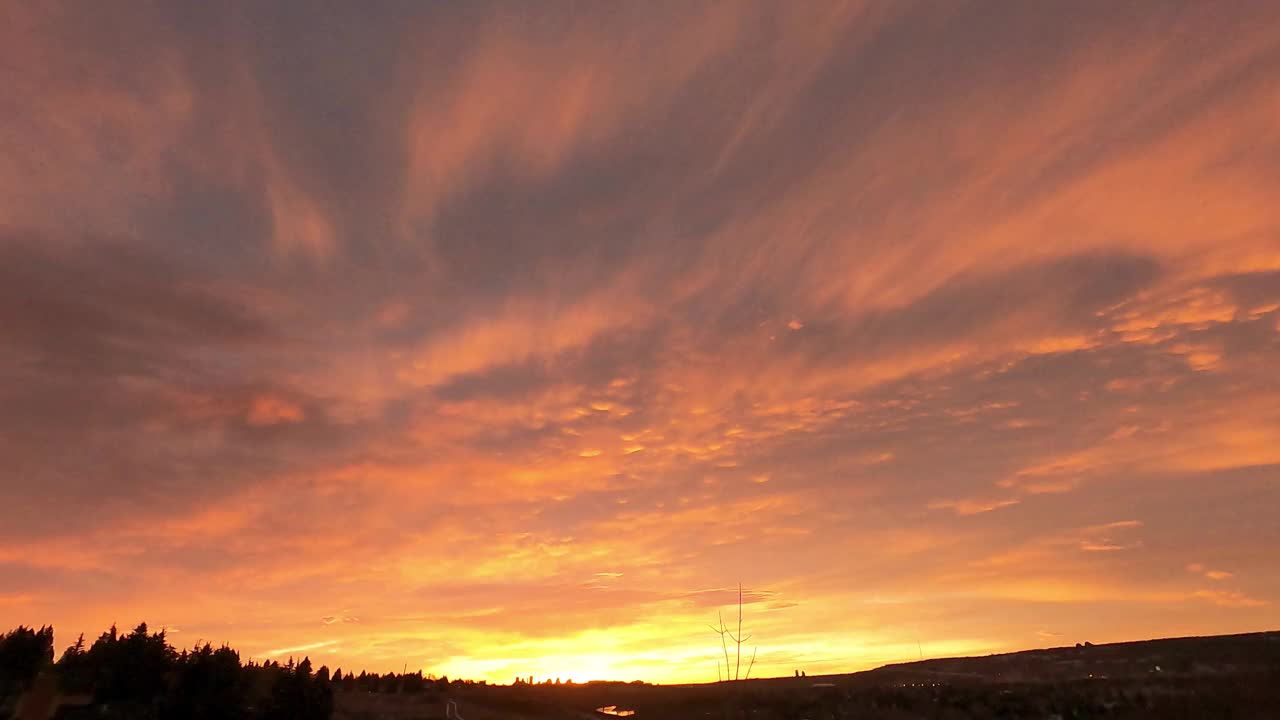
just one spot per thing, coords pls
(724, 645)
(739, 666)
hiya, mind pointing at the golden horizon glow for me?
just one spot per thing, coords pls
(499, 343)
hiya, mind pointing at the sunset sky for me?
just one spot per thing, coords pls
(506, 339)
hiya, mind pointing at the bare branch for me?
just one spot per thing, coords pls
(738, 639)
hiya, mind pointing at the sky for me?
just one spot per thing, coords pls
(507, 339)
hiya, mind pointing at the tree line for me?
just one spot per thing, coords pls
(140, 675)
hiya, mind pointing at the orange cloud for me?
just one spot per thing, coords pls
(272, 410)
(510, 334)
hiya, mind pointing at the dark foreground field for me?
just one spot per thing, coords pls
(1232, 676)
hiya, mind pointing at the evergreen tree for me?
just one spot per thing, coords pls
(24, 652)
(208, 685)
(298, 695)
(139, 676)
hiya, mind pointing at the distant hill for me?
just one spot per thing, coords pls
(1214, 654)
(1211, 654)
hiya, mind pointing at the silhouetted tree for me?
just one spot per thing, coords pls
(207, 684)
(24, 652)
(75, 674)
(298, 695)
(139, 676)
(129, 671)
